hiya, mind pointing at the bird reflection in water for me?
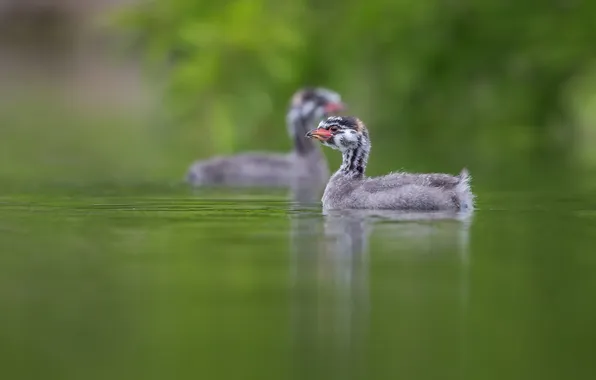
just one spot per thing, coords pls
(331, 295)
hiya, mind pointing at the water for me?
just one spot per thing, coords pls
(139, 282)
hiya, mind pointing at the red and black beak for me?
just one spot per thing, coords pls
(320, 134)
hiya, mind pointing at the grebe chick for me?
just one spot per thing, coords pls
(304, 166)
(349, 188)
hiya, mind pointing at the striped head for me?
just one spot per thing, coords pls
(310, 104)
(342, 133)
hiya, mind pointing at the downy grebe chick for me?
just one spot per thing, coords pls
(349, 188)
(304, 166)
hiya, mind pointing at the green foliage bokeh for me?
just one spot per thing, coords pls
(486, 69)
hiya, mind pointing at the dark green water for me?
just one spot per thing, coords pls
(123, 283)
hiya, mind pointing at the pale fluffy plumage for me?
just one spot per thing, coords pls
(413, 192)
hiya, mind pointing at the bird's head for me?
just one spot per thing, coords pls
(311, 104)
(342, 133)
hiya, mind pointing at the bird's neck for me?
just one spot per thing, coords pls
(302, 144)
(354, 160)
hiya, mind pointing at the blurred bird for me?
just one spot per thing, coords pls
(304, 167)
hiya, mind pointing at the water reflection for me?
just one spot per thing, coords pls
(330, 274)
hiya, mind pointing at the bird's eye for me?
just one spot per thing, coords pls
(333, 129)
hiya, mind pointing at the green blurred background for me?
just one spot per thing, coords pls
(121, 90)
(110, 270)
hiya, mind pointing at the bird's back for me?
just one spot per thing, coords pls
(400, 191)
(260, 169)
(398, 179)
(242, 170)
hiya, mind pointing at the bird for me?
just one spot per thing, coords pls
(302, 169)
(350, 188)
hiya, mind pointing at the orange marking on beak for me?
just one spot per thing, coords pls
(320, 134)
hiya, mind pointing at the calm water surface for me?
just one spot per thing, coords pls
(166, 284)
